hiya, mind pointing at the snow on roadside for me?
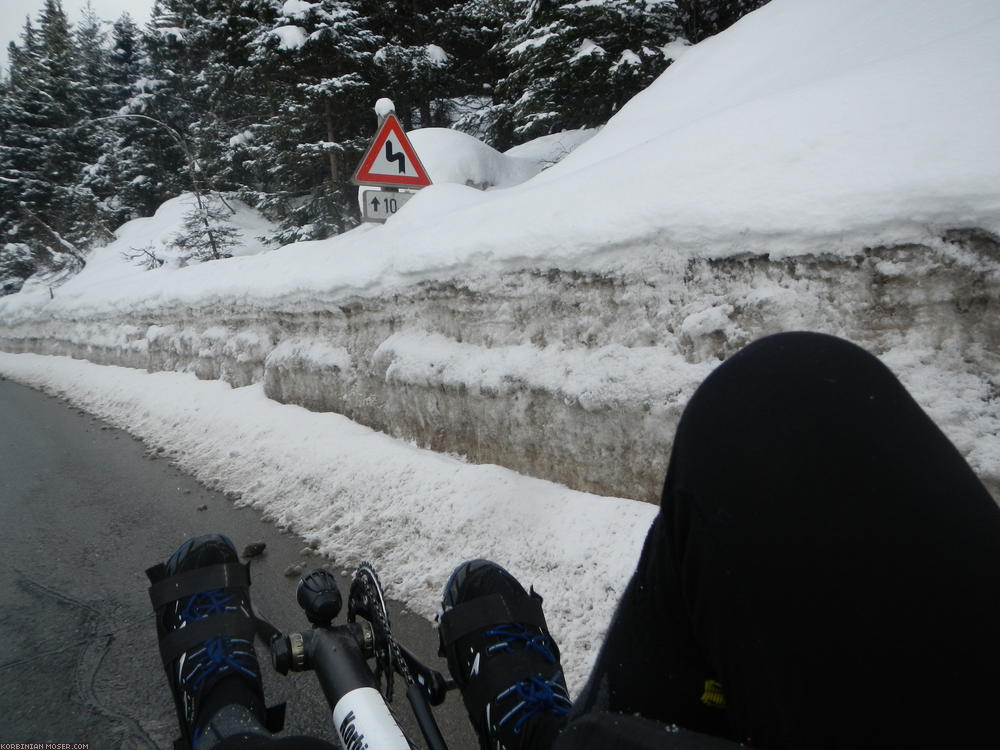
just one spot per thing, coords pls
(415, 513)
(614, 375)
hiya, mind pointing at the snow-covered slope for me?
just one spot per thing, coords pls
(110, 267)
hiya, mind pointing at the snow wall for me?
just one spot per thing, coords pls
(575, 377)
(801, 170)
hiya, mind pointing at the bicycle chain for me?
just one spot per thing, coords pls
(366, 598)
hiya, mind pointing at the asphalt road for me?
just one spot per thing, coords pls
(84, 510)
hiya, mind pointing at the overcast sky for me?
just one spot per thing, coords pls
(12, 13)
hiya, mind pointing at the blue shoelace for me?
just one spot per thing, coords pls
(535, 641)
(219, 654)
(535, 694)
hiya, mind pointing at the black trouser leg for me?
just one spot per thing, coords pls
(825, 553)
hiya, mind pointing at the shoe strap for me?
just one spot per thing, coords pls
(182, 585)
(226, 625)
(490, 611)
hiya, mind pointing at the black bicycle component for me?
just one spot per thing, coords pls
(339, 655)
(425, 718)
(288, 653)
(319, 597)
(366, 600)
(333, 654)
(433, 685)
(265, 629)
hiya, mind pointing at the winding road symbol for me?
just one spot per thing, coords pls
(399, 157)
(390, 160)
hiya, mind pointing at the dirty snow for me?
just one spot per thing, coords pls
(415, 513)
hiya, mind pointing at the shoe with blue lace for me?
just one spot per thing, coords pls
(205, 626)
(500, 652)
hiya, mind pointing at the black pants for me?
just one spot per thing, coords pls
(824, 554)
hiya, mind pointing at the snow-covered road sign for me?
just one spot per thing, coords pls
(380, 205)
(390, 160)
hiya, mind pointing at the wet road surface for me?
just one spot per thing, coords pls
(84, 510)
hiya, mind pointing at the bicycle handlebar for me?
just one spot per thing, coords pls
(339, 655)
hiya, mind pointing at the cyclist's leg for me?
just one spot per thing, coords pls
(824, 552)
(503, 658)
(205, 627)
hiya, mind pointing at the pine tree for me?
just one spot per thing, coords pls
(222, 36)
(17, 261)
(414, 69)
(120, 159)
(575, 65)
(39, 162)
(700, 19)
(62, 110)
(155, 165)
(314, 116)
(471, 32)
(93, 136)
(21, 161)
(207, 233)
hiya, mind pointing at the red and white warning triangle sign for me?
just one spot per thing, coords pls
(390, 160)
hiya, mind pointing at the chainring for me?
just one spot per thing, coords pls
(367, 601)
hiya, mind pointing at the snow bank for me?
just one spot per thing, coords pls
(802, 170)
(108, 267)
(416, 514)
(577, 379)
(547, 150)
(451, 156)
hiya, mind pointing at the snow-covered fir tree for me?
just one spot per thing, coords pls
(575, 65)
(313, 117)
(119, 162)
(92, 135)
(413, 68)
(700, 19)
(39, 162)
(156, 165)
(21, 126)
(471, 32)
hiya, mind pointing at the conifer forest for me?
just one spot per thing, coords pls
(271, 102)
